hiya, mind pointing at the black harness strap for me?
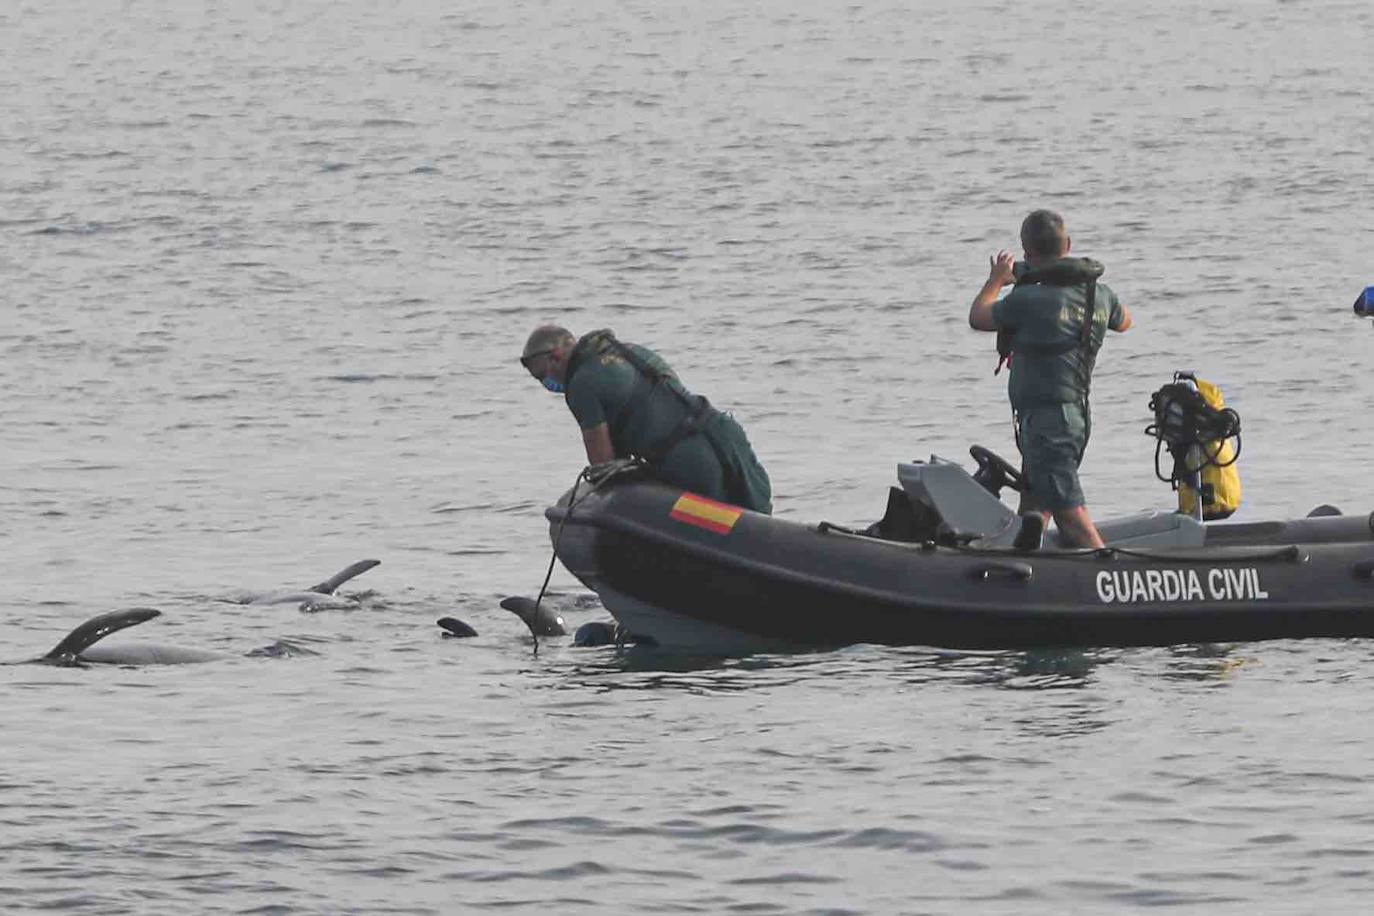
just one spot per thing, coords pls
(699, 413)
(1082, 341)
(692, 425)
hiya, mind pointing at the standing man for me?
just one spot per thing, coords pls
(630, 403)
(1050, 327)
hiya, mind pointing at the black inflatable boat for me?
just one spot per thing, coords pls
(959, 571)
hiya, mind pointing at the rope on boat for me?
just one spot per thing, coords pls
(1291, 553)
(598, 475)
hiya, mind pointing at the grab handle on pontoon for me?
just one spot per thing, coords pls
(1017, 572)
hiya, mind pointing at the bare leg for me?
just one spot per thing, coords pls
(1075, 527)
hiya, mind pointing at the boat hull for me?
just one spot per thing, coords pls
(690, 573)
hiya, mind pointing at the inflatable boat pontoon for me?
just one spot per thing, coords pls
(952, 565)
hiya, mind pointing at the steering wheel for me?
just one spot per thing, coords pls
(994, 472)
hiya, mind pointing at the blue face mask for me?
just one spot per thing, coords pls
(553, 384)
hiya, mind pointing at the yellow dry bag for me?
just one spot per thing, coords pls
(1203, 436)
(1220, 476)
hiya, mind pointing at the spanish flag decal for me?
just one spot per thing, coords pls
(705, 513)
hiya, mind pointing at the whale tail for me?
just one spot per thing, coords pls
(540, 618)
(339, 578)
(69, 650)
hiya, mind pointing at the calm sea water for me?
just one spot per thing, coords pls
(264, 270)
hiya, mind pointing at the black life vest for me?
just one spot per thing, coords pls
(1064, 272)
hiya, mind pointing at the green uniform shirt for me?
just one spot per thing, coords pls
(718, 462)
(1041, 316)
(607, 389)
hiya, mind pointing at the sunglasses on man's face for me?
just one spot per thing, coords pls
(531, 357)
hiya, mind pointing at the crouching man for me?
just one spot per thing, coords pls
(630, 403)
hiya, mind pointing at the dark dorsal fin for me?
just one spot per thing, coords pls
(455, 627)
(339, 578)
(96, 629)
(540, 618)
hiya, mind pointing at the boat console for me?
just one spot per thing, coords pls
(971, 515)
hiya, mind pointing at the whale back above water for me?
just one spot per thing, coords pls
(328, 586)
(97, 628)
(316, 595)
(147, 655)
(540, 618)
(79, 646)
(454, 627)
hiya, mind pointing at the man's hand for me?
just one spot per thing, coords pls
(596, 473)
(1000, 269)
(1000, 273)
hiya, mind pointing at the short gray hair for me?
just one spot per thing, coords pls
(547, 337)
(1043, 235)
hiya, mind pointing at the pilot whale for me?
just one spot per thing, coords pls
(455, 627)
(315, 595)
(79, 646)
(539, 617)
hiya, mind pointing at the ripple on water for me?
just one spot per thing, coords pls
(299, 349)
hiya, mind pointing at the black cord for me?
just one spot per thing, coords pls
(548, 574)
(597, 478)
(1184, 420)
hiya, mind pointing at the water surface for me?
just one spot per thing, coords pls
(264, 273)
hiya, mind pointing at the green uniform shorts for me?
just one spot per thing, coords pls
(1052, 440)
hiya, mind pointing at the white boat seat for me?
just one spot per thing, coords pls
(967, 511)
(971, 514)
(1152, 528)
